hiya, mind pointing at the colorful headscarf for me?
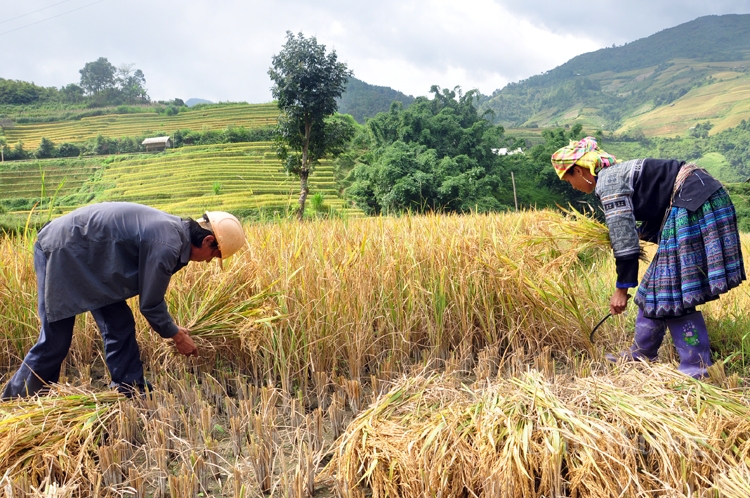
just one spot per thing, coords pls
(585, 153)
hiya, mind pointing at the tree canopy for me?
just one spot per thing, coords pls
(101, 84)
(132, 83)
(97, 76)
(437, 155)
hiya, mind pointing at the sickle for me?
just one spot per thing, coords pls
(591, 336)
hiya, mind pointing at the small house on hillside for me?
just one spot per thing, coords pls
(157, 144)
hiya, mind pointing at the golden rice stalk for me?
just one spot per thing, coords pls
(57, 434)
(635, 433)
(735, 483)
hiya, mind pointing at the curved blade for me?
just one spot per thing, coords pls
(591, 336)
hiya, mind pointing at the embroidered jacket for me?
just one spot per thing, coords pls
(640, 190)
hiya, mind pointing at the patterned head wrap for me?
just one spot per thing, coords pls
(585, 153)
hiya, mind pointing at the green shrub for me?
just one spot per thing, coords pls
(68, 150)
(46, 149)
(316, 201)
(17, 152)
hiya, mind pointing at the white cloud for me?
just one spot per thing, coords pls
(221, 50)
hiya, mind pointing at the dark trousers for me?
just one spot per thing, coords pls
(42, 363)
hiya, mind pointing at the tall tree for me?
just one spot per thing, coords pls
(307, 82)
(97, 76)
(131, 83)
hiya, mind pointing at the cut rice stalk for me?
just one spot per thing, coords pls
(635, 433)
(58, 433)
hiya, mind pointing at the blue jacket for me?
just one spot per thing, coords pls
(104, 253)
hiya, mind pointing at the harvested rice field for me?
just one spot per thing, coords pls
(445, 356)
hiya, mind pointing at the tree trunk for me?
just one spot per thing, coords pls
(304, 170)
(304, 189)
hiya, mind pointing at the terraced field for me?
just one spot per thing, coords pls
(718, 92)
(26, 180)
(135, 125)
(228, 177)
(725, 103)
(242, 178)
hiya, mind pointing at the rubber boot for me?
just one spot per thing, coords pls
(690, 337)
(649, 334)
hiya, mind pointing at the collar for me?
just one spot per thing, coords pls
(185, 251)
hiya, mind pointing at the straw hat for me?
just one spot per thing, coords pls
(227, 229)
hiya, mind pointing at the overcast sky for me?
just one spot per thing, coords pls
(221, 50)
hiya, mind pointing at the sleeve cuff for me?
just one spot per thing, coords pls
(169, 331)
(627, 271)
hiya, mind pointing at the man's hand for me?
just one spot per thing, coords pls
(184, 343)
(619, 301)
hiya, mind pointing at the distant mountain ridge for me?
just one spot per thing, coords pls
(609, 88)
(363, 100)
(194, 101)
(707, 39)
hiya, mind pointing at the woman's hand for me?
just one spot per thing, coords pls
(619, 301)
(184, 343)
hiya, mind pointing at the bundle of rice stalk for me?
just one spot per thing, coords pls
(409, 443)
(570, 236)
(54, 437)
(223, 309)
(663, 430)
(633, 433)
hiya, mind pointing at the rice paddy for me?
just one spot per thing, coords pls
(227, 177)
(239, 178)
(724, 103)
(414, 356)
(135, 125)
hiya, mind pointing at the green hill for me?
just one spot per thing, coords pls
(363, 100)
(661, 85)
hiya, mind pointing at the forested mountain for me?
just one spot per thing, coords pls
(623, 88)
(363, 100)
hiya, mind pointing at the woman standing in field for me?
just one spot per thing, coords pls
(691, 218)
